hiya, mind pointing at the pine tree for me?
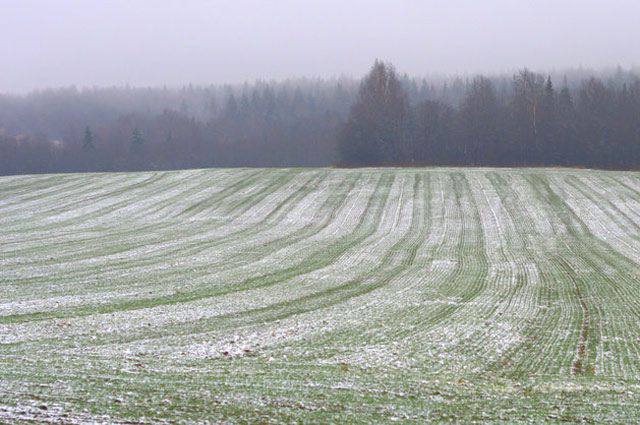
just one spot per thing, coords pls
(548, 125)
(594, 115)
(137, 141)
(231, 108)
(87, 142)
(567, 138)
(137, 151)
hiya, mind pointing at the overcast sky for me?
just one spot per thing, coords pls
(46, 43)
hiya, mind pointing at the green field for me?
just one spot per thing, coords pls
(320, 295)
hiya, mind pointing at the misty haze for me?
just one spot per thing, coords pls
(59, 43)
(319, 212)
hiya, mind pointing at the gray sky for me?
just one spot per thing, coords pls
(47, 43)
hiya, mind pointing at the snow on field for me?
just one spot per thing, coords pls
(320, 295)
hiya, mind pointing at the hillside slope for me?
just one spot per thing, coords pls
(320, 295)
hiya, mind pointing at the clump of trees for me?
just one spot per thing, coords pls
(375, 132)
(292, 123)
(532, 123)
(577, 118)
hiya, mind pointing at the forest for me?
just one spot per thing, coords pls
(574, 118)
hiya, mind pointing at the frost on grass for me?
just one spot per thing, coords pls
(333, 295)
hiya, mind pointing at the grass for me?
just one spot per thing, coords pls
(318, 295)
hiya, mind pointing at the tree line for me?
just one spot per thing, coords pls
(123, 129)
(533, 123)
(576, 118)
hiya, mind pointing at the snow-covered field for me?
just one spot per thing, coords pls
(320, 295)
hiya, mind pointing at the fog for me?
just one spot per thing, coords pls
(50, 43)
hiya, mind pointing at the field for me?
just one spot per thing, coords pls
(320, 295)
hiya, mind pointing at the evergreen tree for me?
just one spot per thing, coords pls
(169, 150)
(231, 107)
(548, 126)
(87, 141)
(634, 141)
(594, 110)
(137, 141)
(567, 131)
(137, 151)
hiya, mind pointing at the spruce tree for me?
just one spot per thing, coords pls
(137, 151)
(548, 125)
(136, 139)
(567, 131)
(87, 142)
